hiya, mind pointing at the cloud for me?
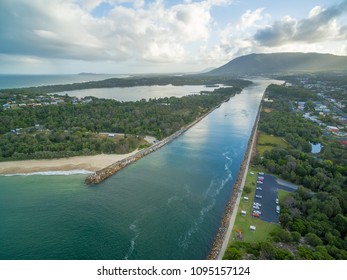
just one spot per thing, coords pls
(67, 29)
(320, 25)
(236, 38)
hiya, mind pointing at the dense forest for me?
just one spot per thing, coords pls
(132, 82)
(313, 219)
(72, 129)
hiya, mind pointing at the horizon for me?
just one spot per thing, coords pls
(161, 73)
(145, 37)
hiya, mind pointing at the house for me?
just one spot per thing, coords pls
(6, 106)
(333, 129)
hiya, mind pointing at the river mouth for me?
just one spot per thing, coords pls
(167, 205)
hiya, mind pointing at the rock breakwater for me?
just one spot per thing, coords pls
(108, 171)
(231, 207)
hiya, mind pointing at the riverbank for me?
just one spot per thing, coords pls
(110, 170)
(222, 237)
(89, 163)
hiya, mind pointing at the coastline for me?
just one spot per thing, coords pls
(221, 240)
(102, 166)
(88, 163)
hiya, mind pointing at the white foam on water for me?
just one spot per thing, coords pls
(133, 228)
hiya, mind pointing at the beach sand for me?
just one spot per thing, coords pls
(90, 163)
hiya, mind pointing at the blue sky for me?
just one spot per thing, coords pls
(139, 36)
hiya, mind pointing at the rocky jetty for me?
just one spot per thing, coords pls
(222, 231)
(108, 171)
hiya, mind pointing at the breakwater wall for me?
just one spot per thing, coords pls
(108, 171)
(237, 191)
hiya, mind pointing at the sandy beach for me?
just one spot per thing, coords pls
(90, 163)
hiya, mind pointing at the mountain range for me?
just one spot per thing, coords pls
(283, 63)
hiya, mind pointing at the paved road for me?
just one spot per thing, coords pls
(269, 194)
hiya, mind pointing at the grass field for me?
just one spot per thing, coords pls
(268, 142)
(243, 223)
(282, 195)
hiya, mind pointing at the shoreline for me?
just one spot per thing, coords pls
(99, 165)
(112, 169)
(88, 163)
(221, 240)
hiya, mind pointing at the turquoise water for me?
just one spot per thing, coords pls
(167, 205)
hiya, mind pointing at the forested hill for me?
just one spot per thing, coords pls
(282, 63)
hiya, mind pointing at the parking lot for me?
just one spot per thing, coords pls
(267, 189)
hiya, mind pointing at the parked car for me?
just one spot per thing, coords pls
(278, 209)
(257, 203)
(277, 201)
(261, 173)
(259, 188)
(256, 207)
(260, 178)
(255, 215)
(258, 196)
(257, 212)
(260, 182)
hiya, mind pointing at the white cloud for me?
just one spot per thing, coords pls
(117, 32)
(320, 25)
(67, 29)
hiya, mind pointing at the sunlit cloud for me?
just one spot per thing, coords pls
(163, 35)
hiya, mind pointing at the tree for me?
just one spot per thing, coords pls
(313, 239)
(232, 254)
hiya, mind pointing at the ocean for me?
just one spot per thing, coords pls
(167, 205)
(19, 81)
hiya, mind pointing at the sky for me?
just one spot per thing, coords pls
(158, 36)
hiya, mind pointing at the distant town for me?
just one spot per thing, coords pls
(329, 110)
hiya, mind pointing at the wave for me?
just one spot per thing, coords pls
(53, 173)
(175, 197)
(133, 228)
(210, 194)
(185, 239)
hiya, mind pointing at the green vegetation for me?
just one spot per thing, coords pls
(282, 63)
(132, 82)
(268, 142)
(242, 223)
(72, 128)
(313, 219)
(282, 195)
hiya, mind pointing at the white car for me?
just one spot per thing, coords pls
(258, 196)
(260, 182)
(257, 212)
(256, 207)
(261, 173)
(257, 204)
(277, 201)
(278, 209)
(259, 188)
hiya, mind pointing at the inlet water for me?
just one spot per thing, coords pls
(167, 205)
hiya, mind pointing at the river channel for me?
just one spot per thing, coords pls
(167, 205)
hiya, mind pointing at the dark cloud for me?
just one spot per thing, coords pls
(315, 28)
